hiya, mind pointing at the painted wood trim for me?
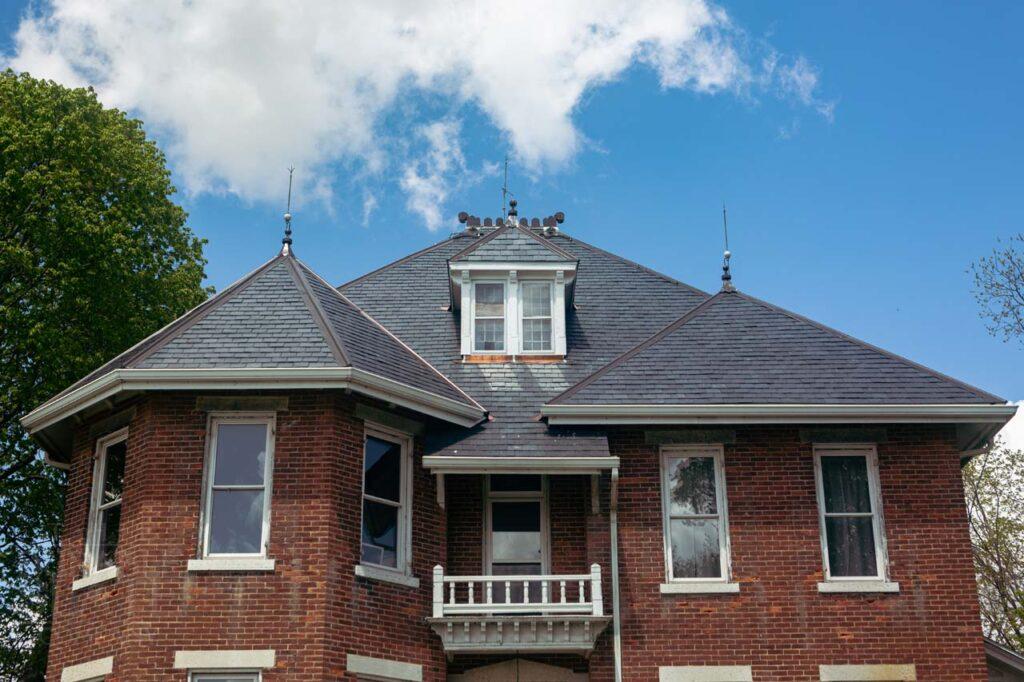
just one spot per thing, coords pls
(215, 565)
(386, 576)
(700, 587)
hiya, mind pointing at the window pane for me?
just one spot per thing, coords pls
(380, 534)
(536, 335)
(515, 533)
(382, 469)
(241, 454)
(692, 486)
(516, 483)
(113, 477)
(845, 482)
(851, 546)
(490, 300)
(236, 523)
(490, 334)
(695, 548)
(536, 299)
(110, 531)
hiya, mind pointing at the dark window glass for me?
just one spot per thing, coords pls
(851, 546)
(696, 548)
(236, 524)
(516, 483)
(845, 481)
(113, 475)
(380, 534)
(241, 454)
(692, 486)
(110, 531)
(382, 469)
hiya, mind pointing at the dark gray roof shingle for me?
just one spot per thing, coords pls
(513, 244)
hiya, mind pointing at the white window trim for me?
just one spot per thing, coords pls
(213, 421)
(675, 585)
(550, 350)
(403, 571)
(99, 474)
(505, 288)
(518, 496)
(873, 583)
(221, 674)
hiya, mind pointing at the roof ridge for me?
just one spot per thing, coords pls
(387, 331)
(480, 241)
(403, 259)
(310, 298)
(870, 346)
(546, 242)
(639, 266)
(504, 229)
(639, 348)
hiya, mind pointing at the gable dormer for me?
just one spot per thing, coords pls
(512, 286)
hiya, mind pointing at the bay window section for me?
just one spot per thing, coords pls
(387, 493)
(536, 317)
(104, 529)
(695, 522)
(489, 317)
(238, 487)
(849, 513)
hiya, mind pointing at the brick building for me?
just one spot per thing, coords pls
(511, 456)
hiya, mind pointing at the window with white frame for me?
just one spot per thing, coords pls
(696, 525)
(105, 509)
(536, 306)
(489, 317)
(387, 493)
(224, 677)
(849, 509)
(239, 470)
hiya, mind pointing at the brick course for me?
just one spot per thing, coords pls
(313, 610)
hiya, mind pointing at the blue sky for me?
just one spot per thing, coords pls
(863, 175)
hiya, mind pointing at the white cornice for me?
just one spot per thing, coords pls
(497, 266)
(367, 383)
(776, 414)
(448, 464)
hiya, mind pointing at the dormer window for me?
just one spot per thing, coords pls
(489, 308)
(536, 317)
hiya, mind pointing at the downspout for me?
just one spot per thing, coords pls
(614, 518)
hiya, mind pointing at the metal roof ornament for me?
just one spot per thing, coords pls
(727, 284)
(286, 247)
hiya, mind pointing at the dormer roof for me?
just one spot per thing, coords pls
(513, 244)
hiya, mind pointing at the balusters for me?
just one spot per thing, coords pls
(561, 584)
(471, 592)
(451, 593)
(581, 591)
(490, 591)
(543, 591)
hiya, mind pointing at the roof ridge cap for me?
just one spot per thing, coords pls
(399, 261)
(387, 331)
(870, 346)
(638, 348)
(310, 298)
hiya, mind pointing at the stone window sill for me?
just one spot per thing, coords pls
(858, 586)
(236, 565)
(96, 578)
(387, 576)
(699, 587)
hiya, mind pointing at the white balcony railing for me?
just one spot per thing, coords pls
(494, 613)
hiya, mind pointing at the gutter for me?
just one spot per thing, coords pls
(453, 464)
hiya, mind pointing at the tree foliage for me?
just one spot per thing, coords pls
(94, 255)
(999, 289)
(994, 484)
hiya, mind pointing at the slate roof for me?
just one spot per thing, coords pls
(512, 244)
(617, 305)
(282, 315)
(736, 349)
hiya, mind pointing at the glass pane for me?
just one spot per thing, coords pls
(490, 334)
(696, 550)
(382, 469)
(236, 522)
(845, 482)
(516, 483)
(515, 590)
(515, 533)
(380, 534)
(851, 546)
(113, 475)
(110, 531)
(490, 300)
(241, 454)
(536, 335)
(692, 486)
(536, 299)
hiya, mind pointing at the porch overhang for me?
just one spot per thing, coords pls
(447, 464)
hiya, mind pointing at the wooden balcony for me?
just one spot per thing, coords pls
(518, 613)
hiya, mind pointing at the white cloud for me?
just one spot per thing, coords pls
(1012, 435)
(239, 89)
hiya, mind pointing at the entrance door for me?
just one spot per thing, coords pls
(516, 532)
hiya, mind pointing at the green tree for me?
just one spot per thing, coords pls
(994, 483)
(94, 255)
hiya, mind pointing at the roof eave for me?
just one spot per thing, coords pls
(449, 464)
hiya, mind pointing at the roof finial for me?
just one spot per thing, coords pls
(726, 274)
(287, 241)
(512, 212)
(505, 194)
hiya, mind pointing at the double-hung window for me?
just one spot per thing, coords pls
(852, 537)
(693, 501)
(238, 486)
(536, 317)
(105, 509)
(387, 493)
(489, 317)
